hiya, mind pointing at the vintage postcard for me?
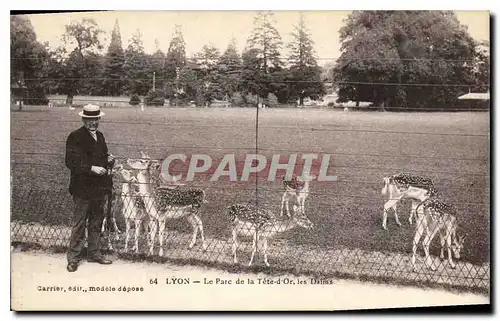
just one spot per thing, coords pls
(249, 160)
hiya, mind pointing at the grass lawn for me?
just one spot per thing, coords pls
(451, 148)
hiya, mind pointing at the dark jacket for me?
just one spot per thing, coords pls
(83, 152)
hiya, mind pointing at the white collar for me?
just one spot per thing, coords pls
(93, 134)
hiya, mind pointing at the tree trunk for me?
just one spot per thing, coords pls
(244, 99)
(301, 101)
(69, 100)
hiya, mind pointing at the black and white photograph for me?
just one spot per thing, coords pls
(249, 160)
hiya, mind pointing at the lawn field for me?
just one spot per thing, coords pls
(450, 148)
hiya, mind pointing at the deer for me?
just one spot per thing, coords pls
(295, 189)
(436, 216)
(114, 226)
(133, 208)
(405, 186)
(247, 220)
(109, 237)
(167, 202)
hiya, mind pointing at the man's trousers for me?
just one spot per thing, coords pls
(91, 210)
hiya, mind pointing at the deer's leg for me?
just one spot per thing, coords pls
(282, 204)
(108, 236)
(388, 205)
(426, 243)
(194, 223)
(254, 248)
(419, 231)
(199, 224)
(138, 225)
(127, 234)
(298, 200)
(110, 245)
(152, 235)
(448, 247)
(284, 201)
(413, 211)
(117, 230)
(161, 231)
(287, 207)
(303, 205)
(235, 245)
(395, 207)
(264, 248)
(103, 227)
(442, 239)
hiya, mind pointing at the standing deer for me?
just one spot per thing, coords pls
(133, 208)
(246, 220)
(405, 186)
(111, 227)
(164, 203)
(435, 216)
(296, 190)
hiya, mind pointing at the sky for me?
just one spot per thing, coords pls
(218, 27)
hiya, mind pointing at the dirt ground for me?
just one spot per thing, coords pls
(40, 281)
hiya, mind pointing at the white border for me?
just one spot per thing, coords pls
(197, 5)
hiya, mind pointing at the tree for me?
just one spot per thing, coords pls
(29, 58)
(481, 67)
(156, 69)
(175, 58)
(84, 36)
(266, 42)
(229, 69)
(250, 75)
(186, 85)
(115, 59)
(209, 85)
(94, 75)
(386, 54)
(305, 72)
(137, 66)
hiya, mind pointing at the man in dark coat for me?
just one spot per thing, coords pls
(87, 158)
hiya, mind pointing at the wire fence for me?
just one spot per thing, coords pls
(117, 103)
(220, 232)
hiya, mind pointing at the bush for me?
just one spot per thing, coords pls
(237, 100)
(272, 100)
(155, 98)
(36, 96)
(135, 100)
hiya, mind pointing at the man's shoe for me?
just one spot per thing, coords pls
(100, 261)
(72, 267)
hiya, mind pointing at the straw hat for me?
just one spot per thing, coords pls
(91, 111)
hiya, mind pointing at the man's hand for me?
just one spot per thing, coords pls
(98, 170)
(111, 159)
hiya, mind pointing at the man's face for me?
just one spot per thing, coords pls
(91, 123)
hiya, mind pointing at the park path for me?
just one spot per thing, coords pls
(34, 271)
